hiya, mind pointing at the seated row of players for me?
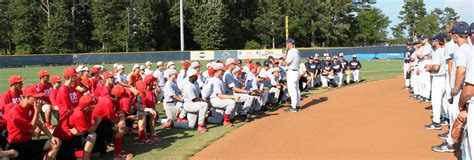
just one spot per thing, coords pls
(95, 107)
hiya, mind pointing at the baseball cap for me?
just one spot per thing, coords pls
(86, 83)
(136, 66)
(461, 28)
(108, 75)
(169, 64)
(69, 71)
(439, 37)
(120, 67)
(141, 86)
(316, 55)
(423, 37)
(230, 61)
(310, 57)
(416, 41)
(218, 66)
(85, 68)
(248, 60)
(118, 91)
(252, 66)
(328, 58)
(149, 79)
(195, 64)
(236, 69)
(80, 68)
(186, 64)
(171, 71)
(95, 70)
(289, 40)
(43, 72)
(341, 54)
(85, 101)
(32, 90)
(55, 78)
(115, 65)
(334, 57)
(142, 67)
(262, 75)
(101, 68)
(471, 28)
(159, 63)
(354, 56)
(191, 72)
(210, 64)
(15, 79)
(147, 63)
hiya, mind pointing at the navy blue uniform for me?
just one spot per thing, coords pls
(337, 66)
(354, 65)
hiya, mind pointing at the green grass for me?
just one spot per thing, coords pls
(181, 143)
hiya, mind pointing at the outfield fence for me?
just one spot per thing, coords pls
(363, 53)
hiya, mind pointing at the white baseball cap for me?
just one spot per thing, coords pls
(341, 54)
(142, 67)
(136, 66)
(263, 74)
(328, 58)
(229, 61)
(195, 64)
(191, 72)
(80, 68)
(236, 69)
(85, 68)
(171, 71)
(159, 63)
(119, 67)
(169, 64)
(354, 56)
(210, 64)
(218, 66)
(115, 65)
(147, 63)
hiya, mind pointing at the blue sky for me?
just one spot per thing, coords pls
(391, 8)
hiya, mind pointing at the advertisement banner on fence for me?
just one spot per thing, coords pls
(277, 53)
(223, 55)
(202, 55)
(249, 54)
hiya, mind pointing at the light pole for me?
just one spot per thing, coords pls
(181, 29)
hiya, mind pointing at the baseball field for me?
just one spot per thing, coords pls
(371, 120)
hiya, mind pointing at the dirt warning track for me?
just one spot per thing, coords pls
(374, 120)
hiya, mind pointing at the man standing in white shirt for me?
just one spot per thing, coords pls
(293, 60)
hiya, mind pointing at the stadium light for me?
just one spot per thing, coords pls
(181, 29)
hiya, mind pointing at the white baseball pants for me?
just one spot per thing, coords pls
(438, 89)
(293, 87)
(355, 75)
(195, 111)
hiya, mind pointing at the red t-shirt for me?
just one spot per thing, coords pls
(78, 119)
(126, 102)
(46, 89)
(67, 99)
(149, 99)
(52, 97)
(105, 108)
(9, 97)
(19, 123)
(95, 81)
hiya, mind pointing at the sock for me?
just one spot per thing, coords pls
(118, 145)
(141, 134)
(226, 117)
(48, 124)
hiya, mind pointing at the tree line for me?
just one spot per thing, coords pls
(75, 26)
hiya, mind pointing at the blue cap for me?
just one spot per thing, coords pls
(416, 41)
(289, 40)
(439, 37)
(461, 28)
(472, 27)
(423, 37)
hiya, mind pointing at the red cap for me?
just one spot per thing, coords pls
(86, 101)
(32, 90)
(108, 75)
(186, 64)
(118, 91)
(252, 66)
(15, 79)
(86, 82)
(43, 72)
(94, 70)
(248, 60)
(141, 86)
(149, 79)
(69, 71)
(55, 78)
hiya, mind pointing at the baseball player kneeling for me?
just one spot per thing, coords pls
(326, 72)
(194, 105)
(218, 99)
(245, 95)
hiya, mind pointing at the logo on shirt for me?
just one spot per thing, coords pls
(73, 97)
(16, 100)
(30, 113)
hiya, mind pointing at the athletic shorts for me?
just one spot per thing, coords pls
(31, 149)
(69, 147)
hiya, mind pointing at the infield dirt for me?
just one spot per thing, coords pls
(374, 120)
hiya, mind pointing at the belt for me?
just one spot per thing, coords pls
(438, 75)
(291, 70)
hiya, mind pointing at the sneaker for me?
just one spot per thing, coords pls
(227, 123)
(443, 147)
(445, 122)
(168, 124)
(434, 126)
(426, 100)
(443, 135)
(291, 110)
(202, 129)
(123, 155)
(248, 118)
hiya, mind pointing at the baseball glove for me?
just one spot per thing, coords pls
(457, 128)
